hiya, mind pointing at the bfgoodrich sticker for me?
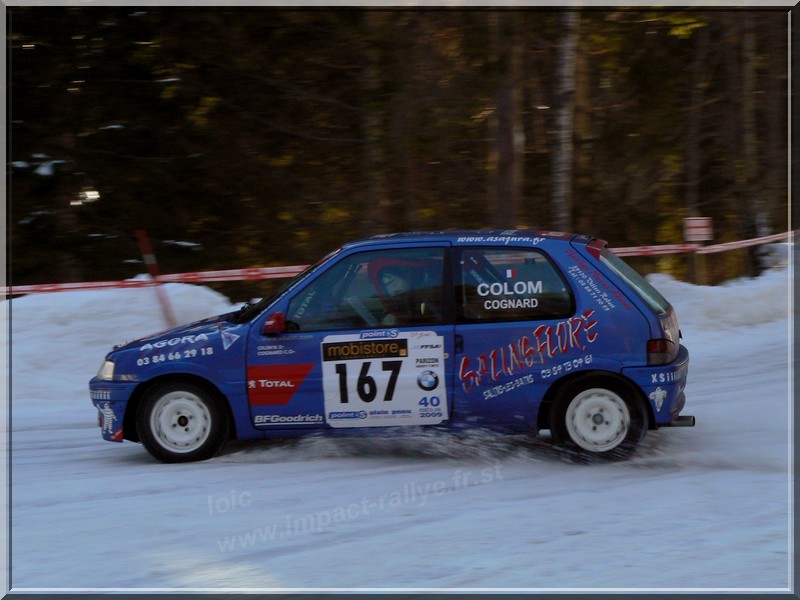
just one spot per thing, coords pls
(288, 419)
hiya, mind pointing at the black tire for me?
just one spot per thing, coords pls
(598, 418)
(181, 422)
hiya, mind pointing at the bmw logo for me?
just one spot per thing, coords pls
(428, 380)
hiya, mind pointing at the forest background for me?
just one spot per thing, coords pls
(250, 137)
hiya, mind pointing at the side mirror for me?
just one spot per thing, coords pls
(275, 324)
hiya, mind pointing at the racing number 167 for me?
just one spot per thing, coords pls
(366, 386)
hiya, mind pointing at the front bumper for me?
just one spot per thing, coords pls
(664, 387)
(110, 399)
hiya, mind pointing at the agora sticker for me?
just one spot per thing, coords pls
(183, 342)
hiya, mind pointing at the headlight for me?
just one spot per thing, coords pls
(106, 372)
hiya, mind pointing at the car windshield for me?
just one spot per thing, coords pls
(637, 283)
(249, 311)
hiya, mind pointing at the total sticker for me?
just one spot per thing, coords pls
(379, 382)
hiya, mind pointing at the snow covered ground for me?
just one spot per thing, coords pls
(706, 509)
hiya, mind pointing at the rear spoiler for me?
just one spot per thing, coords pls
(595, 247)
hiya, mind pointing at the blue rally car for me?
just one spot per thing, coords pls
(515, 330)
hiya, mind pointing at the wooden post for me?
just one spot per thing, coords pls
(698, 229)
(152, 266)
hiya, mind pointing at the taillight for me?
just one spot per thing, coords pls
(661, 352)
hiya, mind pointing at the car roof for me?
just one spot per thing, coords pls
(474, 236)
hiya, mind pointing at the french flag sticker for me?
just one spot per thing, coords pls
(227, 338)
(511, 273)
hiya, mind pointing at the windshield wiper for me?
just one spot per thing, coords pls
(236, 317)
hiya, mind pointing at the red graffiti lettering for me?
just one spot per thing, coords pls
(542, 335)
(469, 378)
(495, 372)
(590, 335)
(550, 340)
(562, 336)
(575, 327)
(514, 361)
(483, 367)
(527, 351)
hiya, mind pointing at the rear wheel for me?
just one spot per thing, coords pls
(599, 418)
(181, 422)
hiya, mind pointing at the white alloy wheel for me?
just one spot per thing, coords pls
(180, 421)
(598, 420)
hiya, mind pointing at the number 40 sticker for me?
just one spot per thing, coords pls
(380, 382)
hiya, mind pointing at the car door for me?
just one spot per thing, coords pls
(368, 342)
(513, 310)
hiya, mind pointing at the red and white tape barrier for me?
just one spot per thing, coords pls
(655, 250)
(202, 277)
(698, 248)
(252, 274)
(255, 274)
(769, 239)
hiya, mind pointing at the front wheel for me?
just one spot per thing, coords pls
(601, 418)
(181, 422)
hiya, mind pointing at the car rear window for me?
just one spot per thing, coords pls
(501, 284)
(636, 282)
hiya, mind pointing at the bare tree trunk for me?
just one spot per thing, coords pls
(693, 156)
(694, 159)
(376, 204)
(564, 105)
(538, 137)
(755, 200)
(738, 200)
(749, 124)
(776, 164)
(508, 145)
(408, 29)
(582, 139)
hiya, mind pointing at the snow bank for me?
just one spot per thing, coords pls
(737, 303)
(122, 312)
(58, 340)
(705, 509)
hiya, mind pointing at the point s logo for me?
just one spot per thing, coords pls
(270, 385)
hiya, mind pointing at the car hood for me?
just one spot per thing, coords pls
(183, 334)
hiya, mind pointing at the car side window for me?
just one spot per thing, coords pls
(502, 284)
(379, 288)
